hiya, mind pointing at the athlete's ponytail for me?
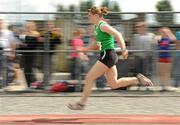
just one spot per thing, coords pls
(98, 10)
(104, 10)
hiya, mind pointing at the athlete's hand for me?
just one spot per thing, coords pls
(125, 54)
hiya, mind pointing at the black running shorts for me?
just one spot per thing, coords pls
(108, 57)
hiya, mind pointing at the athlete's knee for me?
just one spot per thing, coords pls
(113, 85)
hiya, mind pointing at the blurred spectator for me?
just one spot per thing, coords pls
(143, 40)
(54, 36)
(8, 44)
(77, 43)
(16, 42)
(30, 37)
(164, 38)
(7, 38)
(176, 62)
(18, 80)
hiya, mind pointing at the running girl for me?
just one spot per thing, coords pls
(106, 65)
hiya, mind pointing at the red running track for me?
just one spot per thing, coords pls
(89, 119)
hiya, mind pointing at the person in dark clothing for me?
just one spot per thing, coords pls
(31, 42)
(54, 36)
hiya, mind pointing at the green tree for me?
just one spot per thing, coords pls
(116, 7)
(72, 8)
(85, 5)
(60, 8)
(112, 6)
(164, 18)
(105, 3)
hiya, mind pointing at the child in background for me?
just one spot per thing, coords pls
(165, 61)
(77, 43)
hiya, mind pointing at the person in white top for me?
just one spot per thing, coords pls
(6, 54)
(143, 40)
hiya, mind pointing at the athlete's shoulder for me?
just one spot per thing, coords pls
(102, 23)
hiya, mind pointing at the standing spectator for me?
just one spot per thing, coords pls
(176, 62)
(31, 36)
(6, 43)
(55, 38)
(54, 34)
(6, 37)
(143, 40)
(164, 39)
(7, 55)
(77, 43)
(16, 42)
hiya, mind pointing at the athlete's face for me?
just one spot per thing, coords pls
(93, 17)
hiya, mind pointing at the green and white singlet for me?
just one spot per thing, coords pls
(108, 55)
(104, 40)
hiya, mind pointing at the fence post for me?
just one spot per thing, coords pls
(46, 58)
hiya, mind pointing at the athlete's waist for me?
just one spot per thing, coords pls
(107, 50)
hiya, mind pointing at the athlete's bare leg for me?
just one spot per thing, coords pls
(96, 71)
(111, 77)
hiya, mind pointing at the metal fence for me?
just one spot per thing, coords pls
(54, 64)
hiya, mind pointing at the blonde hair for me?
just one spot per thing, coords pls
(31, 28)
(101, 11)
(30, 25)
(78, 32)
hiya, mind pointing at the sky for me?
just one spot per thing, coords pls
(50, 5)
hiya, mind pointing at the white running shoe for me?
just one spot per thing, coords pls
(143, 80)
(76, 106)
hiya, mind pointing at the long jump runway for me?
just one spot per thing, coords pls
(89, 119)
